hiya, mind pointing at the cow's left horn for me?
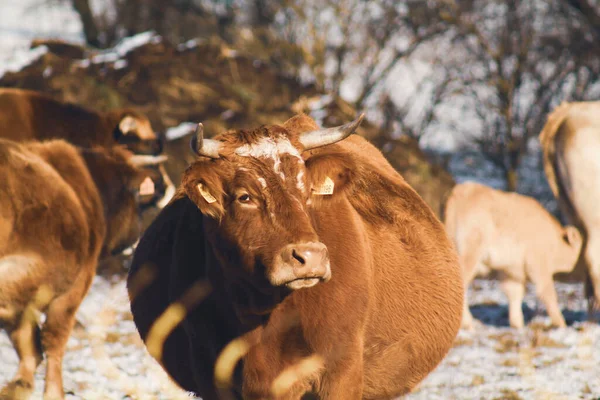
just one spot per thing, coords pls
(204, 147)
(143, 160)
(323, 137)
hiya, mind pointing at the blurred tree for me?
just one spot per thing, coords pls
(356, 42)
(514, 60)
(504, 63)
(90, 30)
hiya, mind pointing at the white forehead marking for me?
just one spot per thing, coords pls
(300, 181)
(263, 182)
(269, 148)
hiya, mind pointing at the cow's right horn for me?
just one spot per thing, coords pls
(204, 147)
(323, 137)
(145, 160)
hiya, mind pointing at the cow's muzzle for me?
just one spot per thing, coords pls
(301, 265)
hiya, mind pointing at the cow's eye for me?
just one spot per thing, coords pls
(244, 198)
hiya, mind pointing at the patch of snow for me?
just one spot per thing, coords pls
(131, 43)
(227, 114)
(190, 44)
(22, 59)
(181, 130)
(120, 64)
(24, 20)
(47, 72)
(126, 45)
(83, 63)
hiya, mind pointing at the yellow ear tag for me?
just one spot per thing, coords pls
(206, 194)
(147, 187)
(326, 188)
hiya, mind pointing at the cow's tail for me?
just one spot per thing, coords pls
(444, 202)
(548, 142)
(448, 213)
(548, 139)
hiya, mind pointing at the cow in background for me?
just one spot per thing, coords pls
(62, 208)
(29, 115)
(570, 143)
(313, 247)
(514, 235)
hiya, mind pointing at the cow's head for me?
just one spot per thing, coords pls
(133, 129)
(256, 191)
(127, 183)
(135, 133)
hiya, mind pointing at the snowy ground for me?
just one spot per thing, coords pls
(105, 358)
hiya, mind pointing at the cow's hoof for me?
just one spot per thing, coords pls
(16, 390)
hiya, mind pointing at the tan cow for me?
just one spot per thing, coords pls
(514, 235)
(571, 145)
(60, 210)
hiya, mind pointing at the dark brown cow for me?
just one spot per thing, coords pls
(313, 251)
(60, 210)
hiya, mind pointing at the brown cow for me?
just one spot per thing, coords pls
(512, 234)
(60, 210)
(571, 146)
(313, 250)
(29, 115)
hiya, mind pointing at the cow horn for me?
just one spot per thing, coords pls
(204, 147)
(323, 137)
(143, 160)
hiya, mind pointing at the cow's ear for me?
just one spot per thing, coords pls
(330, 175)
(203, 184)
(126, 131)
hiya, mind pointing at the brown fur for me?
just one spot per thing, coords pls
(61, 209)
(29, 115)
(386, 318)
(512, 234)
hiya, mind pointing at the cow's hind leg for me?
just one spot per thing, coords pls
(24, 333)
(20, 278)
(469, 261)
(547, 293)
(60, 319)
(592, 257)
(514, 291)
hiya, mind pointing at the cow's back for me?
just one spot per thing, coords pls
(44, 208)
(28, 115)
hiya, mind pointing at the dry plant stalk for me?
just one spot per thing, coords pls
(302, 369)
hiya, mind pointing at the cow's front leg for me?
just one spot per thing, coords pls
(276, 367)
(343, 375)
(287, 371)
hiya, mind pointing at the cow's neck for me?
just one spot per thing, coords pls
(252, 306)
(109, 192)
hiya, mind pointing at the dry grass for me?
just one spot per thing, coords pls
(506, 342)
(463, 341)
(477, 380)
(508, 394)
(538, 339)
(510, 362)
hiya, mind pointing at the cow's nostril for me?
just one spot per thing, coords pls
(298, 257)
